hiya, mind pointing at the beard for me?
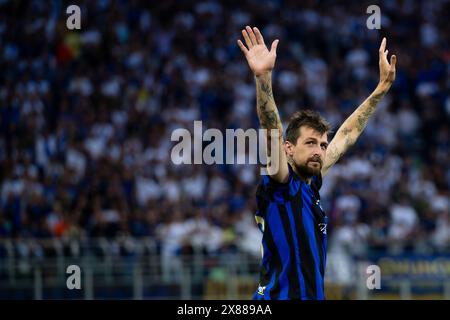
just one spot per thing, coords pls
(311, 167)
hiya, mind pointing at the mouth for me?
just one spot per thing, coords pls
(315, 163)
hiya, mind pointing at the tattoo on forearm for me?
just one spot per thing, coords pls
(350, 130)
(369, 109)
(267, 117)
(266, 88)
(267, 111)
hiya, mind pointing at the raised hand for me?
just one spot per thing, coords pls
(387, 71)
(259, 58)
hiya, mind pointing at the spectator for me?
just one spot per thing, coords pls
(86, 118)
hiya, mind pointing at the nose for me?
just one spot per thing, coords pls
(318, 152)
(316, 156)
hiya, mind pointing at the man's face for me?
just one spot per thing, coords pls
(309, 152)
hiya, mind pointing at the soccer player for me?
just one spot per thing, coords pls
(289, 214)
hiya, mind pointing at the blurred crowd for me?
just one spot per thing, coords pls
(86, 119)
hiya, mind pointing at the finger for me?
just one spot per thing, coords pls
(259, 36)
(393, 61)
(243, 48)
(248, 42)
(273, 49)
(383, 45)
(252, 35)
(385, 56)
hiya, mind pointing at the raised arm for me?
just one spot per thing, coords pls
(351, 129)
(261, 61)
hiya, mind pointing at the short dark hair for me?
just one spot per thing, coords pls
(308, 118)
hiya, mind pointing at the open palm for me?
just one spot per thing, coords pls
(259, 58)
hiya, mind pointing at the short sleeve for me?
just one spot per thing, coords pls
(272, 190)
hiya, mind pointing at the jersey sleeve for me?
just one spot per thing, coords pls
(271, 190)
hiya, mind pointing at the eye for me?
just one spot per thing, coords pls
(310, 142)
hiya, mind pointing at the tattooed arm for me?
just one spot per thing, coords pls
(261, 61)
(269, 119)
(351, 129)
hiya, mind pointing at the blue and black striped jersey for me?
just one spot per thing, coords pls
(294, 228)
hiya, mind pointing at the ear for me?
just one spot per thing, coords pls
(289, 148)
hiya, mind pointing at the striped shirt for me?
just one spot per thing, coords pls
(293, 246)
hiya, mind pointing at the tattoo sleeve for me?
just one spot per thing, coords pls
(265, 103)
(352, 128)
(277, 166)
(266, 108)
(367, 108)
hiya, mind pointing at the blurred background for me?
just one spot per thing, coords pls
(86, 119)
